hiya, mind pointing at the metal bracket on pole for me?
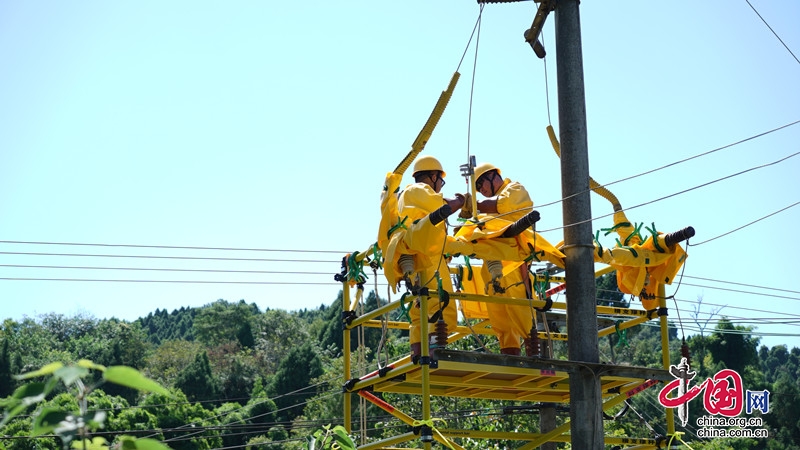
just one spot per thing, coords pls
(532, 34)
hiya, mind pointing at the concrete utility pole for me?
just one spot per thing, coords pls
(585, 401)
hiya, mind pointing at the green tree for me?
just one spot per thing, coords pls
(223, 321)
(162, 326)
(6, 382)
(235, 370)
(68, 415)
(608, 293)
(168, 359)
(32, 345)
(331, 334)
(185, 425)
(278, 333)
(734, 346)
(197, 381)
(232, 421)
(291, 385)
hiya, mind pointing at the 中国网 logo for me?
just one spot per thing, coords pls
(724, 397)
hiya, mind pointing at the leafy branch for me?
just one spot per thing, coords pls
(74, 427)
(331, 438)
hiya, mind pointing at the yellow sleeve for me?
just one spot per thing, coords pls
(513, 197)
(388, 208)
(418, 200)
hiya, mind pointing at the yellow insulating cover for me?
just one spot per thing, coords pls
(632, 265)
(635, 263)
(421, 239)
(388, 208)
(510, 323)
(486, 244)
(476, 285)
(624, 228)
(449, 313)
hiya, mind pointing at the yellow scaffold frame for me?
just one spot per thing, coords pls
(466, 374)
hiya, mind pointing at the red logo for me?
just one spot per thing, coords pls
(723, 393)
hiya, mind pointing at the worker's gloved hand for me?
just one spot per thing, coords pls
(466, 209)
(456, 203)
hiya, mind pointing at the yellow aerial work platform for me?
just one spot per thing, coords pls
(480, 375)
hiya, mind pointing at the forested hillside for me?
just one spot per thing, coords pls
(246, 378)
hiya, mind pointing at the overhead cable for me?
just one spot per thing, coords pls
(773, 32)
(678, 162)
(678, 193)
(171, 257)
(746, 225)
(238, 249)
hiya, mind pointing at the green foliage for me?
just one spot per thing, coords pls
(232, 419)
(175, 326)
(186, 425)
(292, 380)
(234, 370)
(271, 376)
(608, 294)
(331, 334)
(168, 359)
(261, 410)
(278, 333)
(222, 322)
(733, 345)
(331, 438)
(69, 417)
(5, 369)
(196, 380)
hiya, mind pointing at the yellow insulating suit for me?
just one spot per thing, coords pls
(483, 240)
(510, 323)
(642, 267)
(417, 237)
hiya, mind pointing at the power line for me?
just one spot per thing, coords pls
(773, 32)
(679, 161)
(740, 291)
(345, 252)
(744, 309)
(24, 266)
(746, 225)
(238, 249)
(307, 273)
(704, 153)
(742, 284)
(737, 332)
(173, 257)
(96, 280)
(678, 193)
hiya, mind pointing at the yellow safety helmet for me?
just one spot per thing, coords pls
(483, 168)
(425, 163)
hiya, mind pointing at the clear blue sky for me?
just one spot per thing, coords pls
(271, 125)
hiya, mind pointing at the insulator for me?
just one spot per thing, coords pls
(406, 263)
(532, 347)
(685, 352)
(440, 334)
(678, 236)
(495, 269)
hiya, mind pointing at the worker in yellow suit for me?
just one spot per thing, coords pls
(506, 201)
(414, 252)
